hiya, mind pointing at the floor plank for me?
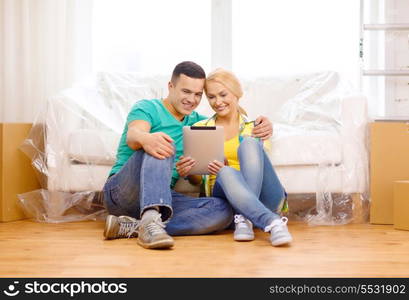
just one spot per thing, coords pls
(77, 250)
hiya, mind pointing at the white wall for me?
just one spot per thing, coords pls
(44, 47)
(397, 57)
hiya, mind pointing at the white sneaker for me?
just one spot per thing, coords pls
(279, 232)
(244, 229)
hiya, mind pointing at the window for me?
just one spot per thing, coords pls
(150, 36)
(386, 57)
(295, 36)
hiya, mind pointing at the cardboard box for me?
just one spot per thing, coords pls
(16, 173)
(389, 162)
(401, 205)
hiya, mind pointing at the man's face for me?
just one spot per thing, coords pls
(185, 94)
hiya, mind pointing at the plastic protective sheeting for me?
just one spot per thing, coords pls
(318, 146)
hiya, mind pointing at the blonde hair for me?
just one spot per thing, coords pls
(229, 80)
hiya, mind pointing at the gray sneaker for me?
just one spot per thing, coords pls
(120, 227)
(152, 234)
(279, 232)
(243, 230)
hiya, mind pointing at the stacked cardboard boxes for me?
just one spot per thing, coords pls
(16, 173)
(389, 146)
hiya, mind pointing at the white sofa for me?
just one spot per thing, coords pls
(318, 142)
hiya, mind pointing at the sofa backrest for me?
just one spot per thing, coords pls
(264, 95)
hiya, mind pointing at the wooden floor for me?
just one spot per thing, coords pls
(77, 249)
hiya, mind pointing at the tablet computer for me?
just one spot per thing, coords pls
(204, 144)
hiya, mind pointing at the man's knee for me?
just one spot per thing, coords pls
(158, 163)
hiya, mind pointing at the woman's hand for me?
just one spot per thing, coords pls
(263, 128)
(215, 166)
(184, 165)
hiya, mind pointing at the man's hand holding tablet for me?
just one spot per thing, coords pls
(184, 165)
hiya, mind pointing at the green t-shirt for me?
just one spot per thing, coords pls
(161, 120)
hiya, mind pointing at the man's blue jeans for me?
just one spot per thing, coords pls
(255, 191)
(144, 181)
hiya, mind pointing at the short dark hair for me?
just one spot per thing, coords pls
(188, 68)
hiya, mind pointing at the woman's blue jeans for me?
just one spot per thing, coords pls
(255, 191)
(144, 181)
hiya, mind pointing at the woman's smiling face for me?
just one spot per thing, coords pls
(222, 101)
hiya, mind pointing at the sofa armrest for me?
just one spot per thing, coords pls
(67, 112)
(354, 111)
(354, 143)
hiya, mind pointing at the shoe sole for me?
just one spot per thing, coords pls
(243, 238)
(281, 242)
(108, 224)
(157, 245)
(107, 233)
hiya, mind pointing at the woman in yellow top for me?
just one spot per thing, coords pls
(248, 180)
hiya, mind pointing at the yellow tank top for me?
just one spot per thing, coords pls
(230, 152)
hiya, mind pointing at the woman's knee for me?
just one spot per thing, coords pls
(249, 142)
(249, 145)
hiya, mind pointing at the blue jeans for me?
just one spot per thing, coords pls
(255, 191)
(144, 182)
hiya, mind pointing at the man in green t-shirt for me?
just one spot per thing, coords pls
(139, 192)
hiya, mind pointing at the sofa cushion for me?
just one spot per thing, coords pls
(312, 179)
(91, 146)
(292, 146)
